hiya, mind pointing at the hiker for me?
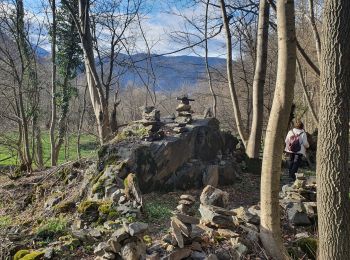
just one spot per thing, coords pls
(296, 145)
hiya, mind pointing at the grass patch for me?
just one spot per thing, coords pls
(159, 210)
(5, 221)
(52, 227)
(88, 146)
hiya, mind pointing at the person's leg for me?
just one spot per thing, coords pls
(296, 164)
(291, 165)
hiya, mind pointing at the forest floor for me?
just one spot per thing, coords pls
(23, 216)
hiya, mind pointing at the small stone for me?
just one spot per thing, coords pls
(109, 256)
(179, 253)
(198, 255)
(212, 196)
(177, 233)
(227, 233)
(102, 248)
(302, 235)
(117, 195)
(133, 251)
(49, 252)
(95, 233)
(187, 219)
(122, 200)
(211, 257)
(111, 225)
(186, 202)
(297, 215)
(184, 229)
(120, 235)
(137, 228)
(154, 256)
(114, 245)
(254, 210)
(188, 197)
(183, 208)
(218, 217)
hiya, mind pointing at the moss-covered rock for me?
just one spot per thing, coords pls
(33, 255)
(20, 254)
(88, 205)
(64, 207)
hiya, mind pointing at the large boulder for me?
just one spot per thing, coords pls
(178, 161)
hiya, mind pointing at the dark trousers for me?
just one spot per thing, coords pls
(293, 164)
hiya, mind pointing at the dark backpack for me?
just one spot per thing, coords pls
(294, 144)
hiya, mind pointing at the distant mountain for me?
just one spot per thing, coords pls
(171, 72)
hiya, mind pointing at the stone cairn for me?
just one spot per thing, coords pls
(151, 122)
(125, 243)
(191, 235)
(299, 201)
(184, 113)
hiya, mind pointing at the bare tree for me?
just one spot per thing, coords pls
(270, 230)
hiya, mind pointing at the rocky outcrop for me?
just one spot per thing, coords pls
(201, 155)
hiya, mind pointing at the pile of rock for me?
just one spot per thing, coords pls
(182, 220)
(151, 122)
(299, 201)
(184, 113)
(125, 243)
(128, 201)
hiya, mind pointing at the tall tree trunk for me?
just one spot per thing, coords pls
(254, 141)
(211, 88)
(98, 100)
(234, 98)
(80, 126)
(315, 30)
(22, 45)
(270, 230)
(332, 171)
(53, 85)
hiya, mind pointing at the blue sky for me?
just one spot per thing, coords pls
(158, 23)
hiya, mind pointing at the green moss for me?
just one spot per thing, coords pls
(148, 240)
(33, 255)
(88, 205)
(113, 215)
(64, 207)
(219, 239)
(308, 245)
(5, 221)
(105, 208)
(20, 254)
(98, 187)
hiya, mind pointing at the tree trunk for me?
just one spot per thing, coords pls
(270, 231)
(308, 100)
(314, 30)
(53, 86)
(211, 88)
(254, 141)
(332, 171)
(95, 88)
(80, 126)
(234, 98)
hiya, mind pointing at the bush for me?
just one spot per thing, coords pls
(52, 227)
